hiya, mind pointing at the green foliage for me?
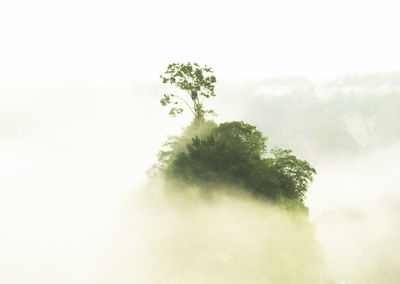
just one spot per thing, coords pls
(198, 82)
(296, 174)
(234, 153)
(233, 157)
(240, 133)
(178, 144)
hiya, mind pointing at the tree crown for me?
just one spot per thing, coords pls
(198, 84)
(233, 153)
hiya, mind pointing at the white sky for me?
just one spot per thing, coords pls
(127, 40)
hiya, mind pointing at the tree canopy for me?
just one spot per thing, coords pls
(197, 82)
(235, 154)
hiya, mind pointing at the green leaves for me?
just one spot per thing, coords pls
(233, 154)
(174, 111)
(165, 100)
(193, 79)
(298, 172)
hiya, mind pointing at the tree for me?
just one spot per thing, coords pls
(233, 153)
(296, 174)
(198, 83)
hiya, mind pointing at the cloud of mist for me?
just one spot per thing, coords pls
(349, 129)
(321, 120)
(227, 237)
(70, 155)
(355, 206)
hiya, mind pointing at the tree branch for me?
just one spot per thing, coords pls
(183, 100)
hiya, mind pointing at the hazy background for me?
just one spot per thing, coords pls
(80, 120)
(72, 154)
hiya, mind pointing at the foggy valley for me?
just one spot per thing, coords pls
(76, 206)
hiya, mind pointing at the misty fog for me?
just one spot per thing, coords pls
(73, 156)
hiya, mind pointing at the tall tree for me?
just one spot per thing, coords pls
(197, 82)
